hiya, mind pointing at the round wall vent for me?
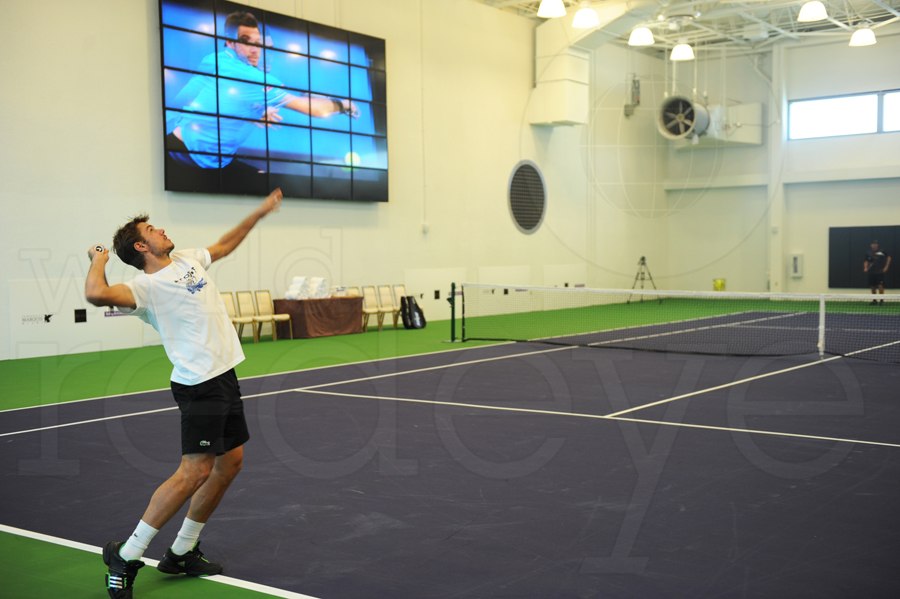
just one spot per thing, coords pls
(527, 197)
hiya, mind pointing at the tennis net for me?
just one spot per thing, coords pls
(720, 323)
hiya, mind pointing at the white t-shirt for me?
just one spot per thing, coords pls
(184, 306)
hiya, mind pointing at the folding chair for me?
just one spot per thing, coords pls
(353, 292)
(388, 305)
(267, 308)
(246, 308)
(238, 321)
(370, 306)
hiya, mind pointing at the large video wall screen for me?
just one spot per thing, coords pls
(255, 100)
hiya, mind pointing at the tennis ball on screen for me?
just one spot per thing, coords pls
(351, 159)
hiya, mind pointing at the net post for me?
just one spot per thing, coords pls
(821, 343)
(452, 301)
(463, 311)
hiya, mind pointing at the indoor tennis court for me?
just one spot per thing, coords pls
(510, 470)
(550, 299)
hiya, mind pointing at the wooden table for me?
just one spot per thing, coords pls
(320, 317)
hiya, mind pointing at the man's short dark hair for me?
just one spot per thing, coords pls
(239, 19)
(125, 238)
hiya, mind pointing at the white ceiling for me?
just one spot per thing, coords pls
(741, 26)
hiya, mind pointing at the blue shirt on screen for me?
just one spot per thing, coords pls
(202, 133)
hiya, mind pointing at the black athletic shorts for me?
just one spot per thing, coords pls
(212, 415)
(876, 279)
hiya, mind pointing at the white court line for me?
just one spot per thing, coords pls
(693, 330)
(601, 417)
(753, 378)
(556, 349)
(47, 428)
(454, 403)
(640, 326)
(451, 365)
(234, 582)
(297, 389)
(257, 376)
(862, 351)
(725, 386)
(754, 431)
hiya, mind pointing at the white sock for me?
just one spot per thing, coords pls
(137, 543)
(187, 536)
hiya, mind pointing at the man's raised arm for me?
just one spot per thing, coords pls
(234, 237)
(97, 290)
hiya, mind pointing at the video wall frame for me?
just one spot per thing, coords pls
(254, 100)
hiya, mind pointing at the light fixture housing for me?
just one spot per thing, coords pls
(586, 17)
(812, 11)
(682, 52)
(551, 9)
(641, 36)
(862, 37)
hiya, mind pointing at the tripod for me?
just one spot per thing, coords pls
(643, 274)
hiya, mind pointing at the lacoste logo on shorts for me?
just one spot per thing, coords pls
(204, 443)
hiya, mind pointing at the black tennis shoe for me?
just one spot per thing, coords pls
(122, 572)
(191, 563)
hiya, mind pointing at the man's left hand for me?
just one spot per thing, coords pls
(272, 203)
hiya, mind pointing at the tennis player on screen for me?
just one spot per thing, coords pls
(258, 102)
(175, 295)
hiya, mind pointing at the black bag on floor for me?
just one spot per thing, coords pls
(404, 313)
(411, 313)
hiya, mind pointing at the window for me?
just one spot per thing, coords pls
(892, 111)
(847, 115)
(875, 112)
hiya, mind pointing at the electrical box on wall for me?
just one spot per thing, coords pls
(795, 266)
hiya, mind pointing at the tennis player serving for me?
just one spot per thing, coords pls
(175, 295)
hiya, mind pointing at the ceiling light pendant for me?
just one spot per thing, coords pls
(551, 9)
(641, 37)
(682, 52)
(862, 37)
(812, 11)
(586, 17)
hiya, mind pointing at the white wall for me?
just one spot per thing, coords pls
(725, 211)
(814, 207)
(82, 151)
(625, 165)
(841, 181)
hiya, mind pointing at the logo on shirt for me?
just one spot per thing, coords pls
(191, 282)
(195, 287)
(204, 443)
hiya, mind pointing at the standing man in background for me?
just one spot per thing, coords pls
(175, 295)
(877, 263)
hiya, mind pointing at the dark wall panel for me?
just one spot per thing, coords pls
(839, 257)
(847, 247)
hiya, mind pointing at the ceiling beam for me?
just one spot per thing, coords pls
(770, 26)
(711, 30)
(839, 24)
(887, 8)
